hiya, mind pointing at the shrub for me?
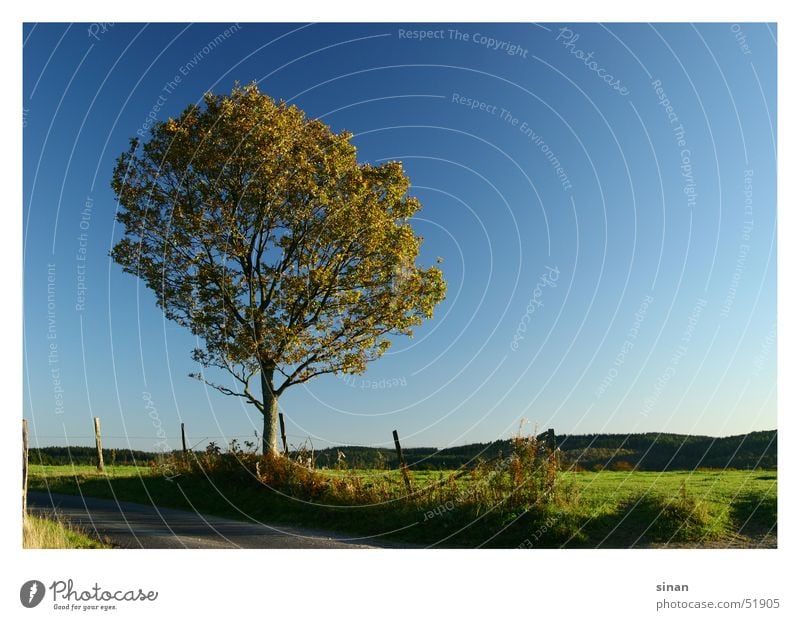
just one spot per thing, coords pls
(528, 477)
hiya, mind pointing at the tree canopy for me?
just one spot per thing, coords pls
(257, 228)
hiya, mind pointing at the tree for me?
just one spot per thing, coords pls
(257, 228)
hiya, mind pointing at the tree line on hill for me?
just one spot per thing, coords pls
(84, 455)
(640, 451)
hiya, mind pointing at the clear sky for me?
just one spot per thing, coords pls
(602, 197)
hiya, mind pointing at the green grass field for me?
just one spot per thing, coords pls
(608, 509)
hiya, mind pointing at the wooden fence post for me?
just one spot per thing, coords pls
(99, 444)
(283, 435)
(548, 438)
(402, 461)
(183, 438)
(24, 467)
(551, 440)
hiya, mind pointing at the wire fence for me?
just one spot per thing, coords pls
(161, 440)
(41, 441)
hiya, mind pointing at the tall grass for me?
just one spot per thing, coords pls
(43, 533)
(526, 477)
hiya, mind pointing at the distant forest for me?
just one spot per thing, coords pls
(643, 452)
(83, 455)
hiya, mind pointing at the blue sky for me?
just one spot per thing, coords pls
(611, 260)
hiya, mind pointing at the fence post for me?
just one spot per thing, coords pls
(24, 467)
(548, 438)
(551, 439)
(99, 444)
(183, 438)
(283, 435)
(402, 461)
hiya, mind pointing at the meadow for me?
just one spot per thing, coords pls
(495, 505)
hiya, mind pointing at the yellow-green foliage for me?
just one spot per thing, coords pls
(258, 229)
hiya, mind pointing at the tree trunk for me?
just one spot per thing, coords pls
(269, 438)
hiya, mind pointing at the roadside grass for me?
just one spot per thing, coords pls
(45, 533)
(487, 507)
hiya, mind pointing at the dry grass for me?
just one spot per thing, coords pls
(526, 477)
(43, 533)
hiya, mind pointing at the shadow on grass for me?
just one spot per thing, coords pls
(657, 519)
(651, 519)
(442, 526)
(756, 515)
